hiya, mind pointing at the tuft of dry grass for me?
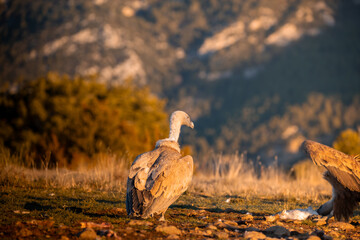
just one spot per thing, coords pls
(108, 174)
(224, 175)
(234, 175)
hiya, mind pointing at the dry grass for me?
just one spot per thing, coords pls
(233, 175)
(224, 175)
(109, 174)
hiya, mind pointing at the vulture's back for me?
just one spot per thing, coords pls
(156, 180)
(345, 168)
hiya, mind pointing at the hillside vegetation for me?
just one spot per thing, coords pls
(64, 122)
(248, 72)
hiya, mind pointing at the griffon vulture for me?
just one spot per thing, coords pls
(343, 173)
(158, 178)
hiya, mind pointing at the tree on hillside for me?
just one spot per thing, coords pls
(348, 142)
(65, 119)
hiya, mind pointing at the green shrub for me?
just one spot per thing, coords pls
(58, 119)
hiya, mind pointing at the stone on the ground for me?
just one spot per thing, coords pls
(222, 235)
(173, 236)
(313, 237)
(278, 231)
(247, 218)
(231, 223)
(168, 230)
(24, 232)
(254, 235)
(272, 218)
(211, 226)
(87, 233)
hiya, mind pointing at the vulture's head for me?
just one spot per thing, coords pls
(181, 117)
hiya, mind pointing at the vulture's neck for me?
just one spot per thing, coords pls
(172, 140)
(175, 126)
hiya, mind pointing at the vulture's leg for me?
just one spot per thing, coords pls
(327, 208)
(162, 218)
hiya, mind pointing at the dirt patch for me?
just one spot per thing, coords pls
(69, 214)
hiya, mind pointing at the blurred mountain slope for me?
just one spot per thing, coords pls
(240, 68)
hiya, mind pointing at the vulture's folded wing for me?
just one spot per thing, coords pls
(167, 182)
(143, 161)
(136, 197)
(345, 168)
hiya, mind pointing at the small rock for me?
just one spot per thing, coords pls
(168, 230)
(312, 237)
(278, 231)
(64, 238)
(320, 222)
(279, 223)
(211, 226)
(118, 210)
(24, 232)
(319, 233)
(231, 223)
(95, 225)
(173, 236)
(87, 233)
(198, 232)
(342, 225)
(247, 218)
(272, 218)
(265, 223)
(222, 235)
(220, 224)
(334, 234)
(140, 223)
(254, 235)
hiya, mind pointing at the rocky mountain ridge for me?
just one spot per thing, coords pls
(230, 64)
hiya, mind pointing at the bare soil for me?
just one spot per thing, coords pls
(51, 213)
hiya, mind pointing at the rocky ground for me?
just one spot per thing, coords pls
(78, 214)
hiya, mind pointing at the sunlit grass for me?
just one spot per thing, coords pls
(226, 175)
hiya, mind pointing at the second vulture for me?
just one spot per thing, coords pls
(343, 173)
